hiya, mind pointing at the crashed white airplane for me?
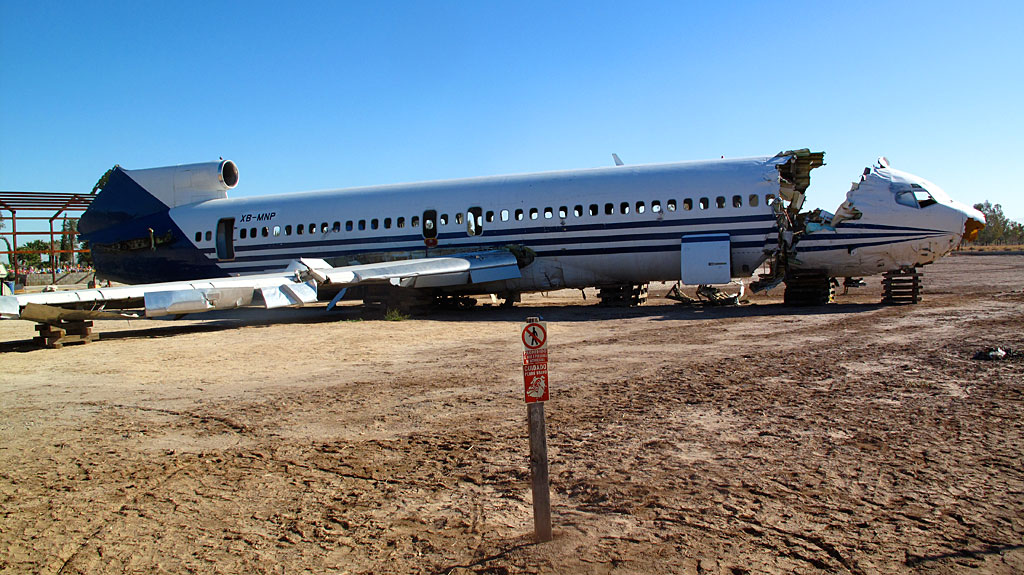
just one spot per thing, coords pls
(614, 228)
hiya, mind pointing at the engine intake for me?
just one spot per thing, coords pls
(188, 183)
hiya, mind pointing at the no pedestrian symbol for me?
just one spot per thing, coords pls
(535, 335)
(535, 360)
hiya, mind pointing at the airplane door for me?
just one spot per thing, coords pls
(226, 239)
(705, 259)
(430, 224)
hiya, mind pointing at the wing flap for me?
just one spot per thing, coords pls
(175, 302)
(442, 271)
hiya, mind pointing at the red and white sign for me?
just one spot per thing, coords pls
(535, 381)
(535, 335)
(535, 361)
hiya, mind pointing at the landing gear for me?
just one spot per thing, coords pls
(509, 300)
(901, 287)
(623, 295)
(809, 288)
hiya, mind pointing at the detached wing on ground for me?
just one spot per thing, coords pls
(295, 286)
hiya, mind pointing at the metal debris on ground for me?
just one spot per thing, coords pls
(998, 354)
(706, 294)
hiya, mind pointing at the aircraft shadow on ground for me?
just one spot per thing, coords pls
(575, 313)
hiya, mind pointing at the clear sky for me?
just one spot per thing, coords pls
(335, 94)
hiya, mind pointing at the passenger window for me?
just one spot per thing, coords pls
(458, 218)
(504, 215)
(737, 201)
(243, 233)
(209, 236)
(577, 211)
(624, 207)
(609, 209)
(563, 212)
(387, 223)
(640, 208)
(490, 217)
(474, 221)
(362, 225)
(199, 236)
(670, 205)
(252, 232)
(769, 199)
(312, 228)
(400, 223)
(298, 229)
(265, 232)
(519, 215)
(656, 207)
(288, 230)
(548, 213)
(415, 221)
(277, 231)
(374, 224)
(533, 213)
(593, 209)
(687, 204)
(348, 226)
(720, 202)
(703, 203)
(752, 200)
(443, 220)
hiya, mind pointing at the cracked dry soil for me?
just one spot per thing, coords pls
(855, 438)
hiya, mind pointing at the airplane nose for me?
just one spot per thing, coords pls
(974, 223)
(971, 229)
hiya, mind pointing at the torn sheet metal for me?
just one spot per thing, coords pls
(288, 294)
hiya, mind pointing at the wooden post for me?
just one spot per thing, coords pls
(539, 473)
(539, 452)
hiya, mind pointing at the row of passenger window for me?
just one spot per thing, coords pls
(474, 218)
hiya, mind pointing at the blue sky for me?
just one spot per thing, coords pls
(333, 94)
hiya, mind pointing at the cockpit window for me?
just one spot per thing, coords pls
(915, 197)
(924, 197)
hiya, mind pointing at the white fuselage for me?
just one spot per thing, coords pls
(604, 226)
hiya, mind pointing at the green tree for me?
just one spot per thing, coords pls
(999, 230)
(33, 259)
(68, 237)
(84, 258)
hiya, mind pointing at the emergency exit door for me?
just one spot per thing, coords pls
(705, 259)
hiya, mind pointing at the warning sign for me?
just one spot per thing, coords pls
(535, 335)
(535, 360)
(535, 380)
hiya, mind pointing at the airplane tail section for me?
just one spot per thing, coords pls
(129, 229)
(133, 194)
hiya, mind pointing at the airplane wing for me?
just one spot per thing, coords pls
(294, 286)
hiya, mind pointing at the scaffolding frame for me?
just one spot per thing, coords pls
(60, 204)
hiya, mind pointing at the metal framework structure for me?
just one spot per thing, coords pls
(60, 206)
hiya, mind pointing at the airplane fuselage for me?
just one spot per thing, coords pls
(580, 228)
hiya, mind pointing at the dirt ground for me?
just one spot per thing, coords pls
(852, 438)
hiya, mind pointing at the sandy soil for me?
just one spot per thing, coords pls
(853, 438)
